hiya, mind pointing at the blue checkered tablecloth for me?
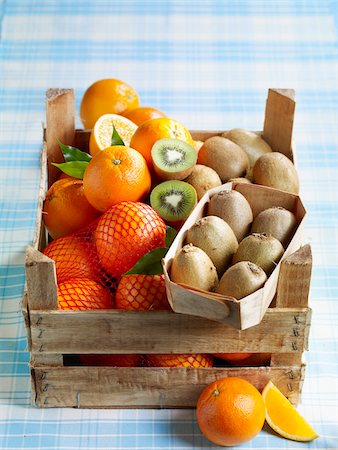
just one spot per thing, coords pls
(208, 64)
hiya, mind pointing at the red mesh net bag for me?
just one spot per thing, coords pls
(179, 360)
(109, 247)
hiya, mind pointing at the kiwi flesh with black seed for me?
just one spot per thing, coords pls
(173, 200)
(241, 279)
(225, 157)
(173, 159)
(234, 208)
(277, 222)
(216, 238)
(203, 178)
(193, 267)
(277, 171)
(263, 250)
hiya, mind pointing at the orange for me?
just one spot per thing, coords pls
(142, 292)
(117, 174)
(82, 294)
(125, 233)
(144, 113)
(283, 417)
(245, 359)
(101, 135)
(174, 360)
(151, 131)
(74, 257)
(108, 96)
(66, 209)
(111, 360)
(230, 411)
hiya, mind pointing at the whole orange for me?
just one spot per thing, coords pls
(176, 360)
(82, 294)
(245, 359)
(125, 233)
(128, 360)
(74, 257)
(114, 175)
(66, 208)
(230, 411)
(151, 131)
(107, 96)
(142, 292)
(143, 113)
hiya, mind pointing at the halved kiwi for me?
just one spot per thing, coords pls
(173, 159)
(173, 200)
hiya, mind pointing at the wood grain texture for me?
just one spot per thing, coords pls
(103, 387)
(113, 331)
(278, 121)
(60, 124)
(294, 279)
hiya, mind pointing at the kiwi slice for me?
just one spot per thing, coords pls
(173, 159)
(173, 200)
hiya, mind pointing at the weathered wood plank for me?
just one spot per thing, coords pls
(109, 387)
(113, 331)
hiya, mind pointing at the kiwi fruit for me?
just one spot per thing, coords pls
(173, 159)
(234, 208)
(277, 171)
(240, 180)
(277, 222)
(216, 238)
(192, 266)
(198, 145)
(225, 157)
(263, 250)
(203, 178)
(173, 200)
(253, 145)
(241, 279)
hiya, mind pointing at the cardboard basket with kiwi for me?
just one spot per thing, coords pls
(224, 263)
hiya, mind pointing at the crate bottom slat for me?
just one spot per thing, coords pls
(144, 387)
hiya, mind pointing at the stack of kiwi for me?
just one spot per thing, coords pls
(230, 252)
(186, 173)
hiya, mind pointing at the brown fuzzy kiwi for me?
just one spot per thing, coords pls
(216, 238)
(253, 145)
(203, 178)
(192, 266)
(240, 180)
(277, 171)
(263, 250)
(241, 279)
(234, 208)
(277, 222)
(224, 156)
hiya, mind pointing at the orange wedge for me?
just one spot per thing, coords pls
(283, 417)
(100, 137)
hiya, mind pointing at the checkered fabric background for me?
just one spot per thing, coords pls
(208, 64)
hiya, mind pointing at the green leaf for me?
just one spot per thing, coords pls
(150, 263)
(170, 236)
(116, 138)
(73, 168)
(72, 153)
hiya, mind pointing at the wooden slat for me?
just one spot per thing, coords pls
(103, 387)
(163, 332)
(294, 279)
(278, 122)
(60, 124)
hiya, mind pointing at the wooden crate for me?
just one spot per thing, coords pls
(53, 334)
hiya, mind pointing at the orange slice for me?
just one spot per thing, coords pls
(100, 137)
(283, 417)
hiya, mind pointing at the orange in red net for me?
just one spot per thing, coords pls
(126, 232)
(173, 360)
(142, 292)
(83, 293)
